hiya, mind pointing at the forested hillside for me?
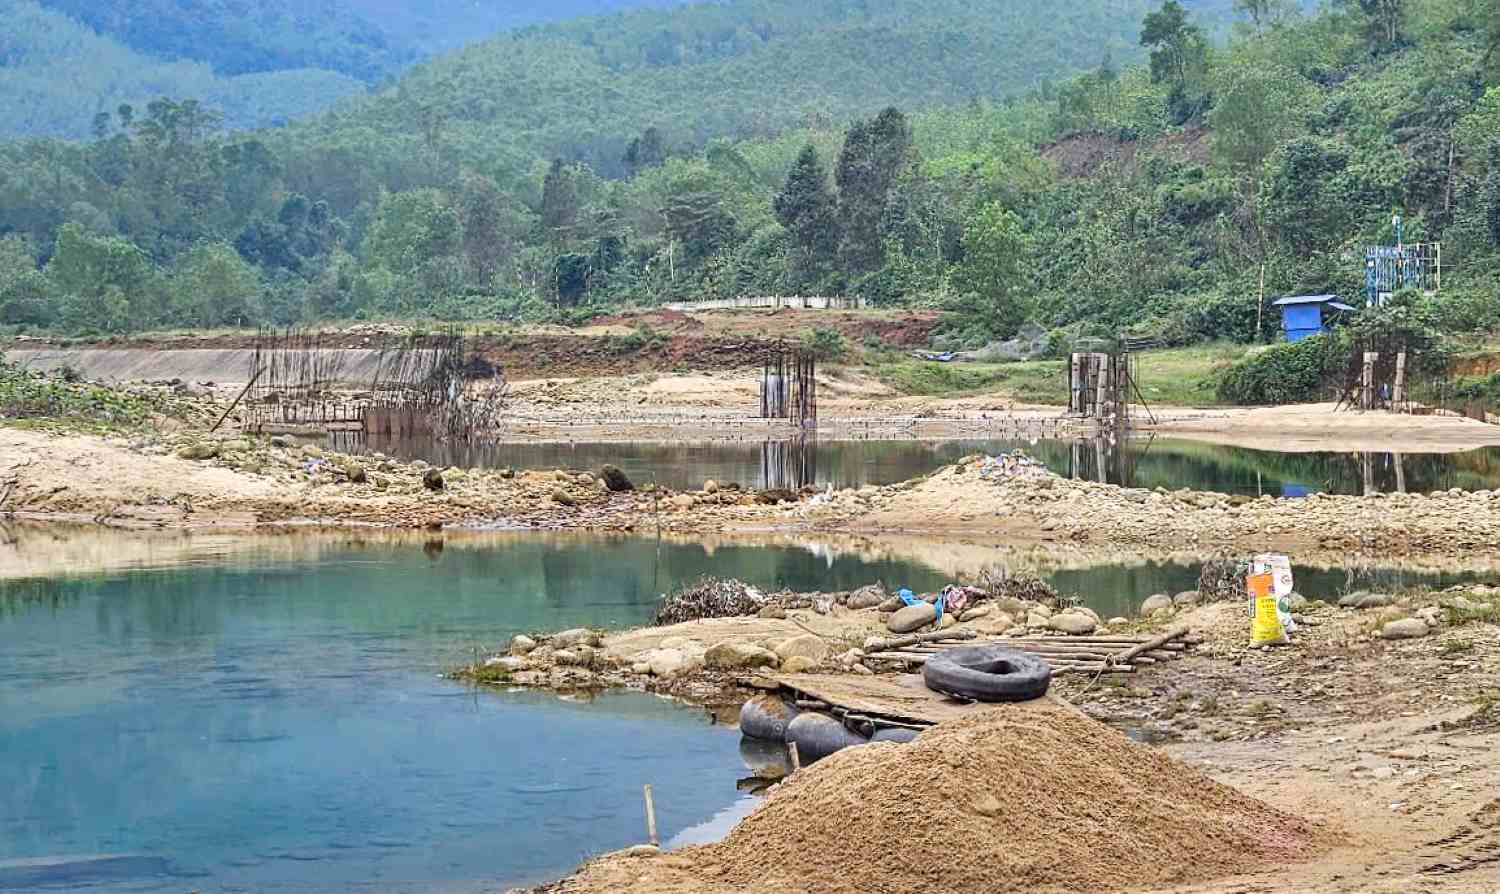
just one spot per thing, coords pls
(1167, 195)
(259, 62)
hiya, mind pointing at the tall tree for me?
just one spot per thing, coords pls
(808, 211)
(874, 154)
(1179, 56)
(1384, 21)
(561, 202)
(1263, 13)
(1491, 192)
(649, 150)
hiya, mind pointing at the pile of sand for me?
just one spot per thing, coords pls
(1033, 799)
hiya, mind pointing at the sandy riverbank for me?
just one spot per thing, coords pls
(250, 483)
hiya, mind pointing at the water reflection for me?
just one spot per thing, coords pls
(1134, 462)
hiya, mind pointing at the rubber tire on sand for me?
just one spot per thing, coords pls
(766, 717)
(818, 735)
(988, 674)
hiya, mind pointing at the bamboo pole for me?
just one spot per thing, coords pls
(1173, 634)
(651, 818)
(902, 642)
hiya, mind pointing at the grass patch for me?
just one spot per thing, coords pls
(33, 399)
(1182, 377)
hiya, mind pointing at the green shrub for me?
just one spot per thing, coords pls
(826, 344)
(1294, 372)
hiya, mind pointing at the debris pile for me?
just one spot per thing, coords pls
(1066, 805)
(709, 597)
(998, 582)
(1223, 580)
(1012, 465)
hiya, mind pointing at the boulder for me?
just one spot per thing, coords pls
(1410, 628)
(1016, 608)
(667, 663)
(522, 645)
(891, 604)
(1362, 599)
(818, 735)
(1038, 621)
(773, 613)
(585, 479)
(776, 495)
(806, 646)
(682, 502)
(949, 620)
(912, 617)
(738, 656)
(1186, 599)
(1154, 604)
(198, 451)
(510, 663)
(1073, 623)
(563, 498)
(1118, 622)
(354, 471)
(615, 479)
(710, 486)
(974, 614)
(569, 638)
(798, 664)
(236, 445)
(866, 597)
(432, 479)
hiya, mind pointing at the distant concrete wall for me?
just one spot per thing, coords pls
(224, 366)
(774, 302)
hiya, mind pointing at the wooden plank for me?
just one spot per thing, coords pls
(901, 697)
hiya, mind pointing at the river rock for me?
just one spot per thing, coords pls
(432, 479)
(772, 613)
(806, 646)
(682, 502)
(974, 614)
(912, 617)
(1410, 628)
(522, 645)
(866, 597)
(798, 664)
(1186, 599)
(891, 604)
(1118, 622)
(1016, 608)
(569, 638)
(354, 471)
(585, 479)
(738, 656)
(1432, 615)
(1363, 599)
(949, 620)
(818, 735)
(198, 451)
(710, 486)
(1154, 604)
(667, 663)
(1073, 623)
(563, 498)
(615, 479)
(1038, 621)
(510, 663)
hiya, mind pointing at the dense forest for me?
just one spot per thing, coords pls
(259, 63)
(574, 168)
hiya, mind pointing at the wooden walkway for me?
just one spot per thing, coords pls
(898, 701)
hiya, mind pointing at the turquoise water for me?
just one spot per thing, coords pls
(1139, 462)
(267, 725)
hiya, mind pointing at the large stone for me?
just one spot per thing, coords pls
(682, 502)
(912, 617)
(615, 479)
(1186, 598)
(710, 486)
(891, 604)
(1154, 604)
(563, 498)
(798, 664)
(1409, 628)
(569, 638)
(510, 663)
(432, 479)
(668, 663)
(866, 597)
(1016, 608)
(1363, 600)
(198, 451)
(522, 645)
(772, 613)
(806, 646)
(1038, 621)
(738, 656)
(1074, 623)
(974, 614)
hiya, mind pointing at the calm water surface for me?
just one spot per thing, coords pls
(1139, 462)
(264, 725)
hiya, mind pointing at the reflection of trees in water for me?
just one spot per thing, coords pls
(20, 596)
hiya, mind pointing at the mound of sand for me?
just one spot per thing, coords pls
(1043, 799)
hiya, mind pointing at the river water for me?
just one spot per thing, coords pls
(265, 725)
(1138, 462)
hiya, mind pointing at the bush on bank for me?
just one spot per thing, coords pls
(1293, 372)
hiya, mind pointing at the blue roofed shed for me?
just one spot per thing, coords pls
(1308, 315)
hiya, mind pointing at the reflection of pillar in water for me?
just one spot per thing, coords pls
(1101, 475)
(1077, 456)
(789, 464)
(1367, 463)
(1400, 463)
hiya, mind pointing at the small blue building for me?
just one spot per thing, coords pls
(1308, 315)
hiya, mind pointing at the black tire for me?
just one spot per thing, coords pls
(766, 717)
(988, 674)
(818, 735)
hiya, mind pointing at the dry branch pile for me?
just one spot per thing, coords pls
(709, 597)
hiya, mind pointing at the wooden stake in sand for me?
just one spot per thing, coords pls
(651, 819)
(796, 758)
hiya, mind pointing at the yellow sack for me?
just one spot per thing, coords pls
(1265, 626)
